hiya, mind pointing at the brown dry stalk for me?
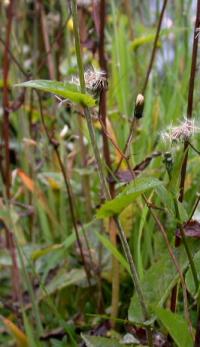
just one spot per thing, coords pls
(47, 45)
(6, 137)
(189, 116)
(153, 54)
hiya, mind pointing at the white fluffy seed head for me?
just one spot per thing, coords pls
(181, 133)
(95, 80)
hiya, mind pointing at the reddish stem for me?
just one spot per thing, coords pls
(6, 137)
(6, 67)
(153, 54)
(189, 116)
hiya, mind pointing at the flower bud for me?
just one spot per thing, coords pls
(139, 106)
(168, 161)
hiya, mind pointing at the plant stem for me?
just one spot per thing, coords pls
(68, 189)
(6, 136)
(189, 116)
(190, 96)
(187, 249)
(47, 45)
(153, 54)
(170, 250)
(106, 152)
(103, 181)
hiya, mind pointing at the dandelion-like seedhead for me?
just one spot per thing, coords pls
(95, 80)
(181, 133)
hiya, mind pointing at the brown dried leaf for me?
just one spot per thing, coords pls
(126, 176)
(191, 229)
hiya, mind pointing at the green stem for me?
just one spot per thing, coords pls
(86, 110)
(134, 273)
(103, 181)
(187, 249)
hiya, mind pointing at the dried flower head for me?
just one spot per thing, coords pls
(95, 81)
(181, 133)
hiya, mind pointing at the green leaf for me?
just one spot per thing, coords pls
(148, 38)
(105, 241)
(156, 285)
(97, 341)
(128, 195)
(166, 198)
(140, 41)
(62, 280)
(176, 326)
(159, 279)
(36, 254)
(66, 90)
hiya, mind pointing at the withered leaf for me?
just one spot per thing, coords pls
(126, 176)
(191, 229)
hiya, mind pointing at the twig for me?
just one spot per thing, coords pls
(194, 148)
(190, 97)
(46, 41)
(153, 54)
(134, 121)
(6, 67)
(20, 67)
(6, 137)
(189, 116)
(68, 188)
(194, 208)
(187, 249)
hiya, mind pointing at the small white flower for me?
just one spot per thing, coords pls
(181, 133)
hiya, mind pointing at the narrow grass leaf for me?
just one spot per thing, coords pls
(107, 244)
(32, 340)
(16, 332)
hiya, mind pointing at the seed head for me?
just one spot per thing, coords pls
(95, 80)
(181, 133)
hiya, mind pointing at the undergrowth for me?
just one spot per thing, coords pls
(99, 170)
